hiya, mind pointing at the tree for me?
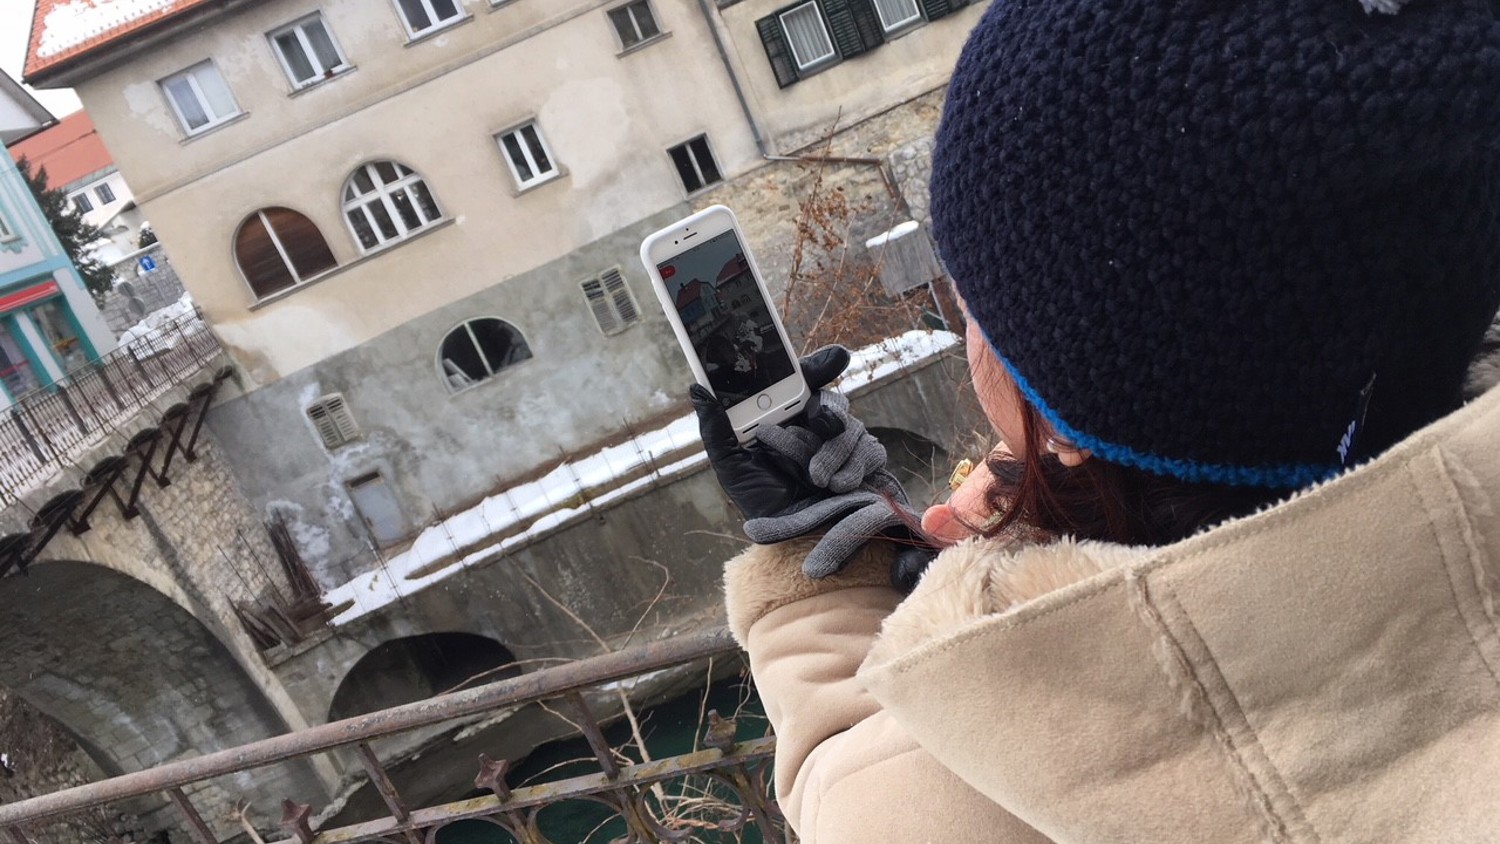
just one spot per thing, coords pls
(75, 233)
(147, 237)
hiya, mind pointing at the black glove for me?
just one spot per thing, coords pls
(822, 470)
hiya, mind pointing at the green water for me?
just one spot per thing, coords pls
(670, 729)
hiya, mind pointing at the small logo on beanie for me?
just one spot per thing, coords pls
(1346, 442)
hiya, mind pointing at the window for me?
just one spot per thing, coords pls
(334, 422)
(695, 164)
(307, 51)
(807, 35)
(385, 202)
(82, 202)
(897, 14)
(527, 154)
(105, 193)
(423, 15)
(277, 248)
(814, 34)
(610, 300)
(200, 97)
(478, 349)
(634, 23)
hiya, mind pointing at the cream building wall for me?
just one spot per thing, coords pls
(369, 331)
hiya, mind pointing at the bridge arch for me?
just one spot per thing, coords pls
(138, 679)
(414, 668)
(921, 465)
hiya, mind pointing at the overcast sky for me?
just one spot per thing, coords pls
(15, 28)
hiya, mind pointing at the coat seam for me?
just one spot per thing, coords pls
(1450, 491)
(1196, 704)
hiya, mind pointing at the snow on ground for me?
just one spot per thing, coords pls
(179, 311)
(526, 511)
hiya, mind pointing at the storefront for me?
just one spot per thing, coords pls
(40, 339)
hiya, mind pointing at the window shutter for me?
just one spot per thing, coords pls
(619, 292)
(777, 50)
(333, 420)
(593, 291)
(854, 25)
(934, 9)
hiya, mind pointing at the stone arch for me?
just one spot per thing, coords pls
(135, 677)
(920, 464)
(414, 668)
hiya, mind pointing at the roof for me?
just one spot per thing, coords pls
(737, 266)
(70, 150)
(24, 116)
(690, 293)
(63, 30)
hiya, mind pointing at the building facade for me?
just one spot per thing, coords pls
(415, 222)
(77, 162)
(48, 322)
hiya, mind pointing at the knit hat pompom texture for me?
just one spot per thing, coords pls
(1237, 241)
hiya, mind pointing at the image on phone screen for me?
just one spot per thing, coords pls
(727, 319)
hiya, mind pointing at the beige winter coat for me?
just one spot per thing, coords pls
(1325, 671)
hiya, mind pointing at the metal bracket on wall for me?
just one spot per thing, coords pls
(101, 482)
(142, 445)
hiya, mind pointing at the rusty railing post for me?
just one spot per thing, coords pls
(195, 823)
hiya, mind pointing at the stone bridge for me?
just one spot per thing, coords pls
(134, 623)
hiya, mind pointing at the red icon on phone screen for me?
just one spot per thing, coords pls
(667, 271)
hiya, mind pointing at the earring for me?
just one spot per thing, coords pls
(1057, 446)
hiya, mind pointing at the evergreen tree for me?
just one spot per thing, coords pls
(71, 229)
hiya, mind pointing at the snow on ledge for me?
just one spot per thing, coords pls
(520, 514)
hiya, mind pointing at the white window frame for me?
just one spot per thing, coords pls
(489, 370)
(286, 259)
(81, 199)
(612, 288)
(383, 194)
(628, 8)
(537, 177)
(897, 26)
(698, 165)
(101, 189)
(817, 61)
(436, 24)
(298, 28)
(7, 231)
(190, 74)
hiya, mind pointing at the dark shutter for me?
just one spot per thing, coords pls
(935, 9)
(854, 25)
(777, 50)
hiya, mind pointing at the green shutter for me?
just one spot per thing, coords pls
(935, 9)
(854, 25)
(777, 50)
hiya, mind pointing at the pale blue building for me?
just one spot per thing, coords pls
(49, 324)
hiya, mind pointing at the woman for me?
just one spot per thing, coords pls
(1238, 573)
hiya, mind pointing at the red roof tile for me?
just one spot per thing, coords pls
(63, 30)
(69, 150)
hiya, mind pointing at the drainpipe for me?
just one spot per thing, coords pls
(739, 91)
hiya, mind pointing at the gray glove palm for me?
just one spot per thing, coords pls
(823, 471)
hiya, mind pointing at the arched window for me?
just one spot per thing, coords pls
(386, 202)
(478, 349)
(277, 248)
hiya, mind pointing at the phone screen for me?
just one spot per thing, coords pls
(727, 319)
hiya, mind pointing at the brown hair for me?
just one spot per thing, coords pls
(1105, 501)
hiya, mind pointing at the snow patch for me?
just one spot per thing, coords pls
(181, 311)
(522, 513)
(70, 24)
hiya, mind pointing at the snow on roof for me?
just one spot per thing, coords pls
(523, 513)
(66, 29)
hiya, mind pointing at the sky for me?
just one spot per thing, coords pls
(15, 28)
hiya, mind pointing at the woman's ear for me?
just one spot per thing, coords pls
(1067, 453)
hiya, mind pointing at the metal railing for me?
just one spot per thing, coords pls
(52, 426)
(734, 773)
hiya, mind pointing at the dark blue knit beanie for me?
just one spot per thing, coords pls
(1239, 241)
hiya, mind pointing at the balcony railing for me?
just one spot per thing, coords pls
(717, 794)
(52, 426)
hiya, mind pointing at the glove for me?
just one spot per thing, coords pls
(825, 469)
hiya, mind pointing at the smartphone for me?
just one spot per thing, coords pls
(716, 300)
